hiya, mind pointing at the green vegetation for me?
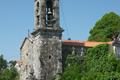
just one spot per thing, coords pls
(3, 63)
(72, 71)
(7, 70)
(106, 28)
(98, 64)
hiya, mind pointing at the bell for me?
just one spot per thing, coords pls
(49, 11)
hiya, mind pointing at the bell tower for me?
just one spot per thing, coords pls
(41, 53)
(47, 14)
(47, 44)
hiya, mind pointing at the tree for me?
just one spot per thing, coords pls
(106, 28)
(3, 63)
(12, 63)
(99, 64)
(7, 72)
(72, 70)
(72, 73)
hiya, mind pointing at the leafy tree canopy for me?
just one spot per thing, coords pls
(99, 64)
(7, 72)
(106, 28)
(3, 63)
(72, 70)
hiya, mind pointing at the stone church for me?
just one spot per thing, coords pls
(43, 53)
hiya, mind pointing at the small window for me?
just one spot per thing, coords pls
(37, 7)
(38, 19)
(27, 54)
(37, 4)
(50, 56)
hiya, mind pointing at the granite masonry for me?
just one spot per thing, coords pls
(41, 52)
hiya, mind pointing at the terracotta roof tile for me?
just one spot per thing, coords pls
(72, 43)
(93, 44)
(85, 43)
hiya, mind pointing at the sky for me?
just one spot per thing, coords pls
(77, 17)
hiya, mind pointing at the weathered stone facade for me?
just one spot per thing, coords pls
(116, 46)
(41, 52)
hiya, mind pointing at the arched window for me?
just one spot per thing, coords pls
(37, 7)
(49, 8)
(37, 11)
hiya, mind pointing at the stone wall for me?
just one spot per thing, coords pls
(69, 49)
(48, 56)
(41, 53)
(42, 57)
(25, 59)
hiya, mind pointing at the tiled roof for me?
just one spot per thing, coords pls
(72, 42)
(93, 44)
(84, 43)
